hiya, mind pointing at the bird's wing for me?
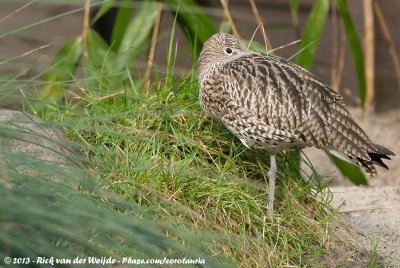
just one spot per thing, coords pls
(217, 101)
(289, 98)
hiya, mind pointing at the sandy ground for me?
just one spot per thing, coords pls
(372, 212)
(367, 212)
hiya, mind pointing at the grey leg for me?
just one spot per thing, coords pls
(271, 182)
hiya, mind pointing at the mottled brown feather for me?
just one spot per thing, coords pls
(271, 103)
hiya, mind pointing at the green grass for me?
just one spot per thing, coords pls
(160, 151)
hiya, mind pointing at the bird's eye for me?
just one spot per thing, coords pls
(229, 50)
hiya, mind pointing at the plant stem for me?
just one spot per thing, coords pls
(150, 59)
(369, 47)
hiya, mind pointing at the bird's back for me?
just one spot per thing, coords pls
(291, 107)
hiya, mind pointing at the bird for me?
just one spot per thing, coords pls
(274, 104)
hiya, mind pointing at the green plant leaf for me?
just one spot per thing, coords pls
(295, 5)
(224, 27)
(101, 64)
(192, 18)
(255, 46)
(293, 158)
(312, 33)
(137, 32)
(352, 172)
(355, 47)
(121, 23)
(105, 7)
(96, 49)
(61, 69)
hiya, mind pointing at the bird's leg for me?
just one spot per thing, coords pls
(271, 182)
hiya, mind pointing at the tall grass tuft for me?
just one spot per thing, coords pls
(155, 162)
(156, 177)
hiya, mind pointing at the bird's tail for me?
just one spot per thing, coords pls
(351, 143)
(375, 158)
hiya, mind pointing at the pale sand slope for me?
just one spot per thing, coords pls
(374, 210)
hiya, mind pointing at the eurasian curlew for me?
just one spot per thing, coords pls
(276, 105)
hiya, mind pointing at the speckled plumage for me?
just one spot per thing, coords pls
(274, 104)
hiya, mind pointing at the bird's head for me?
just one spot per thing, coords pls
(220, 48)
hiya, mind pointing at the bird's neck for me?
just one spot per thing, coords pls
(205, 71)
(207, 64)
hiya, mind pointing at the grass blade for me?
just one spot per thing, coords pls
(170, 61)
(312, 33)
(46, 20)
(192, 18)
